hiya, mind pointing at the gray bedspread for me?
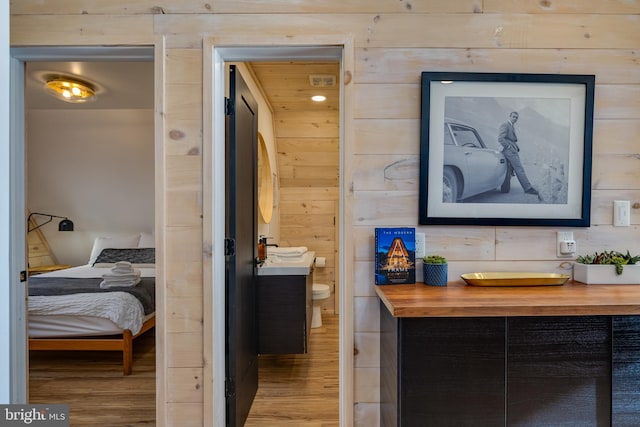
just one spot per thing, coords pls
(145, 291)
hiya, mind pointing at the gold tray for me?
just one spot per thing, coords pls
(514, 279)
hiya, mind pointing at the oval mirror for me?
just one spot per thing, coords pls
(265, 181)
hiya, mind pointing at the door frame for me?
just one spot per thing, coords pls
(239, 47)
(18, 261)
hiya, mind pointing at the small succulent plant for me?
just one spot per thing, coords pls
(434, 259)
(609, 258)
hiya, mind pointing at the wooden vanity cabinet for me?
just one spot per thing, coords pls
(285, 307)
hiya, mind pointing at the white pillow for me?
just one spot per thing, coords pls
(147, 240)
(122, 242)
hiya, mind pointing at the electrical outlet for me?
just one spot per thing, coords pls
(565, 245)
(420, 249)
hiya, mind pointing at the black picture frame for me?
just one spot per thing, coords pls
(466, 148)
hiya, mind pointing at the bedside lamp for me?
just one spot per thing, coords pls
(65, 225)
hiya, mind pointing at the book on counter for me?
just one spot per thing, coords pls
(395, 257)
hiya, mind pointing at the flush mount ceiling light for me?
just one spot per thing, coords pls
(318, 98)
(70, 89)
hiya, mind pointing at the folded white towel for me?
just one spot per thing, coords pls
(119, 284)
(293, 251)
(122, 274)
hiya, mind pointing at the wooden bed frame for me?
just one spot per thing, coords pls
(122, 343)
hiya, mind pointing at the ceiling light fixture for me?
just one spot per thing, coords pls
(70, 89)
(318, 98)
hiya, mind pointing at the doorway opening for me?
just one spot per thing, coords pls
(67, 150)
(217, 58)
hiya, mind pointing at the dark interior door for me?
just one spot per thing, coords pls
(241, 223)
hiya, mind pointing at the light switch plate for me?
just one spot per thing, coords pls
(621, 213)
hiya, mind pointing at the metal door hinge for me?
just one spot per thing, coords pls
(229, 247)
(23, 276)
(228, 107)
(230, 387)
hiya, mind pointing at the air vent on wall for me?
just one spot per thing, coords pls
(322, 80)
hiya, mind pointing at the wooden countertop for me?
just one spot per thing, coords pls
(461, 300)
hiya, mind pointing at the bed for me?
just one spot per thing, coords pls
(69, 310)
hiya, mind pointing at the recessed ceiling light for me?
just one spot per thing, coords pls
(318, 98)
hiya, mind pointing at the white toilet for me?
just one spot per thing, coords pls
(320, 293)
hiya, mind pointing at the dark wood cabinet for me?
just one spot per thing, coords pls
(284, 313)
(509, 371)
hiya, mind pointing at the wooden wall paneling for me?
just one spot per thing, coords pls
(311, 145)
(625, 387)
(617, 102)
(387, 101)
(325, 193)
(242, 6)
(186, 387)
(307, 124)
(393, 208)
(608, 237)
(386, 172)
(313, 207)
(614, 136)
(558, 7)
(184, 314)
(78, 30)
(525, 243)
(186, 350)
(383, 30)
(404, 65)
(615, 172)
(184, 278)
(567, 381)
(382, 136)
(185, 414)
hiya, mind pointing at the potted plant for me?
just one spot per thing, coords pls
(434, 269)
(607, 267)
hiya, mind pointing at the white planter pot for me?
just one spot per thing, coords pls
(594, 274)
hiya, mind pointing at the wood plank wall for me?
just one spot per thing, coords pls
(394, 41)
(308, 163)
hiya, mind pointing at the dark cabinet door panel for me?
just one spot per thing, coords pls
(558, 371)
(626, 371)
(452, 372)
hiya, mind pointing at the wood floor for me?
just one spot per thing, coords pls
(295, 390)
(300, 389)
(92, 384)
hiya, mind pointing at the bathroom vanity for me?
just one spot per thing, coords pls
(284, 303)
(504, 356)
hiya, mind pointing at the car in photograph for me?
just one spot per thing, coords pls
(470, 167)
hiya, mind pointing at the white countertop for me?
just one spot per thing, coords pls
(285, 266)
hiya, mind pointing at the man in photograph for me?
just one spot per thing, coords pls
(509, 142)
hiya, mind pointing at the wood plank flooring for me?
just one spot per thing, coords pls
(294, 390)
(301, 389)
(91, 382)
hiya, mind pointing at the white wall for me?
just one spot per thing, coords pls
(5, 191)
(95, 167)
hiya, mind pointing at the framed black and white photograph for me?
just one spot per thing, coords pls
(506, 149)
